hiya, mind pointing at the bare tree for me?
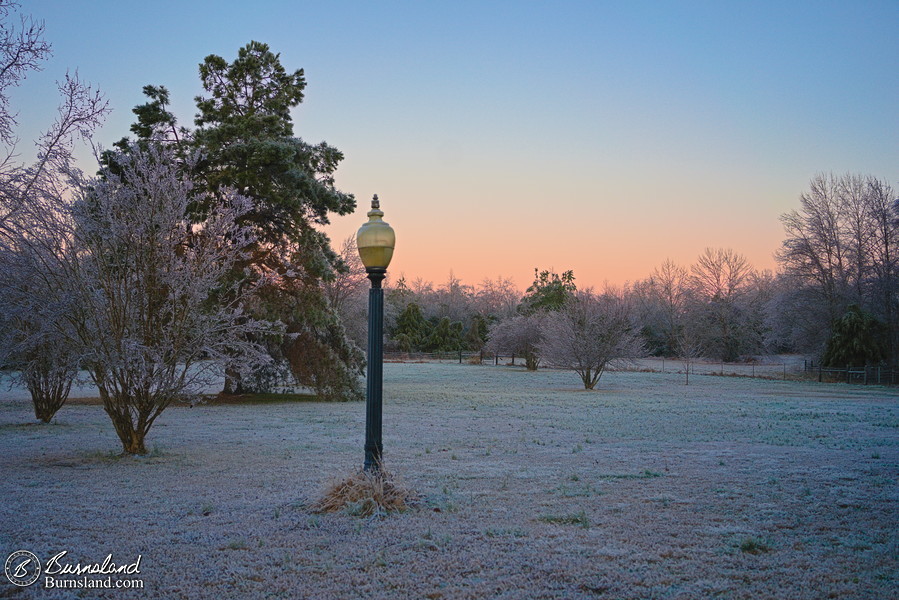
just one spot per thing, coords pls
(48, 372)
(81, 110)
(814, 250)
(884, 257)
(22, 49)
(453, 300)
(34, 339)
(497, 298)
(588, 334)
(840, 249)
(519, 335)
(688, 344)
(347, 293)
(662, 302)
(720, 281)
(720, 273)
(350, 281)
(156, 321)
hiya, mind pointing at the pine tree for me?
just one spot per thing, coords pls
(244, 135)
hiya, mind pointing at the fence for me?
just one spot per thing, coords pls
(789, 367)
(455, 356)
(879, 375)
(658, 365)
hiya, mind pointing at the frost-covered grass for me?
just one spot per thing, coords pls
(529, 488)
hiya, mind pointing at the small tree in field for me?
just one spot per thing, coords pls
(154, 320)
(587, 334)
(36, 340)
(33, 339)
(688, 345)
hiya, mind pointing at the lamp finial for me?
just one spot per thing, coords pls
(375, 205)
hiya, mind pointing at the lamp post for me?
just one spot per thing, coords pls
(375, 242)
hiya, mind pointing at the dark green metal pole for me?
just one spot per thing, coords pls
(375, 376)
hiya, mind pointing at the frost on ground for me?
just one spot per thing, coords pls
(529, 488)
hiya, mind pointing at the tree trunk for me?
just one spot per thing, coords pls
(49, 391)
(132, 438)
(131, 435)
(233, 382)
(135, 445)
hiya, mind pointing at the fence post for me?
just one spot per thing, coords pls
(663, 364)
(496, 358)
(820, 373)
(848, 376)
(460, 356)
(513, 359)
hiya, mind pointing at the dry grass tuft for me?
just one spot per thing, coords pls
(366, 494)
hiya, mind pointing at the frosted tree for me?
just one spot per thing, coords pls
(519, 335)
(688, 348)
(347, 292)
(588, 333)
(661, 304)
(33, 340)
(497, 298)
(81, 110)
(453, 300)
(157, 319)
(840, 249)
(145, 299)
(720, 281)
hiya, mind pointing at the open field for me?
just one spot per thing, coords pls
(530, 488)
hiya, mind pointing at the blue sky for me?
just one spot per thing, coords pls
(501, 136)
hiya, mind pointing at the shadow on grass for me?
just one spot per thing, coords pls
(222, 399)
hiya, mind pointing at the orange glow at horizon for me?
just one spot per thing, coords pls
(609, 223)
(599, 253)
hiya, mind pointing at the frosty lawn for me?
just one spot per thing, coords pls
(530, 488)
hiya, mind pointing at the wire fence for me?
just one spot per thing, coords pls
(459, 356)
(652, 364)
(867, 375)
(784, 367)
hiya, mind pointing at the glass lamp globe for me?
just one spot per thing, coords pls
(375, 240)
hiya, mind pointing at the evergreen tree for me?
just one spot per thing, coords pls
(446, 336)
(550, 291)
(412, 329)
(476, 336)
(856, 340)
(244, 134)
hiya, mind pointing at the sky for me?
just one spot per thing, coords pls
(602, 137)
